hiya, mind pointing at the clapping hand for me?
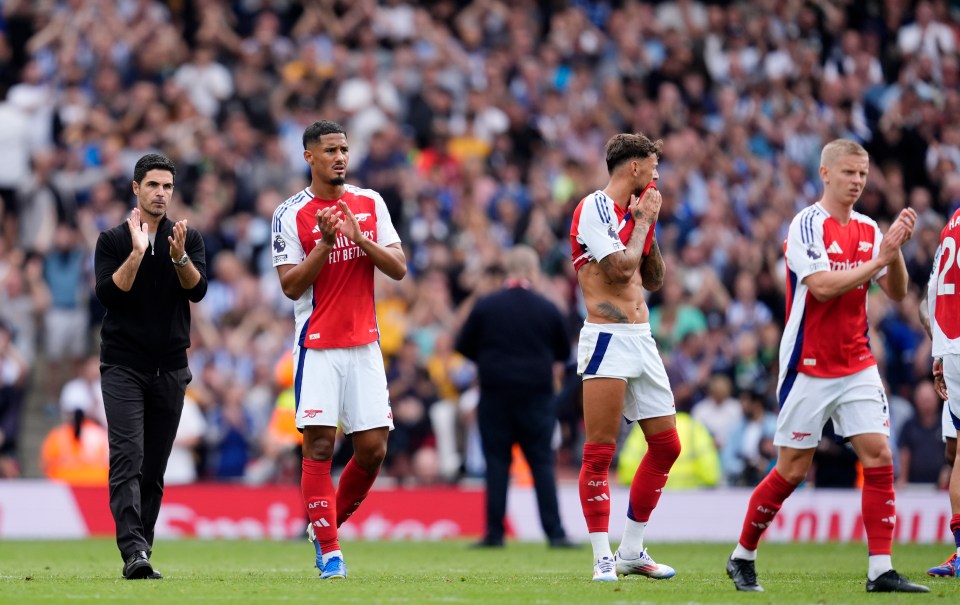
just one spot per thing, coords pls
(897, 235)
(329, 222)
(350, 226)
(179, 240)
(139, 232)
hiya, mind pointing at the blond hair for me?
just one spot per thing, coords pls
(838, 148)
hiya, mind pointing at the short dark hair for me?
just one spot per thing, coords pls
(319, 128)
(153, 161)
(624, 147)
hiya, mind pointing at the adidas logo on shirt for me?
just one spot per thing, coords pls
(834, 248)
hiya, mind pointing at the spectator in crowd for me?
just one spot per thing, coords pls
(749, 451)
(13, 377)
(24, 299)
(718, 411)
(85, 393)
(183, 461)
(835, 462)
(517, 337)
(697, 467)
(77, 451)
(919, 441)
(66, 321)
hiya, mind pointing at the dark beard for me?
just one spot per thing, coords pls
(338, 180)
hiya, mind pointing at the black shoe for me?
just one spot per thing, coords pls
(156, 575)
(563, 543)
(137, 566)
(744, 575)
(488, 543)
(891, 581)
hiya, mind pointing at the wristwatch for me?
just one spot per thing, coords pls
(182, 262)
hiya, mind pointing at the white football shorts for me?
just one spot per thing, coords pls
(345, 387)
(951, 410)
(627, 352)
(856, 403)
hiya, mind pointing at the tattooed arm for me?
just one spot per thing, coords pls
(652, 269)
(621, 266)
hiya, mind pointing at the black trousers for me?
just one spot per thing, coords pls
(528, 420)
(143, 413)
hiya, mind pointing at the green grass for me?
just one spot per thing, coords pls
(224, 572)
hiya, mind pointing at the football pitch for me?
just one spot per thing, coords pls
(224, 572)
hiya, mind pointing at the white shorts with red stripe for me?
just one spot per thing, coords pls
(345, 387)
(627, 352)
(857, 404)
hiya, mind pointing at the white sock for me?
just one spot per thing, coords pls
(879, 565)
(329, 555)
(742, 553)
(600, 540)
(632, 543)
(958, 551)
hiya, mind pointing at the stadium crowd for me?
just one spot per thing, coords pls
(482, 124)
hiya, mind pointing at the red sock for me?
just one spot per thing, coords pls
(765, 503)
(353, 488)
(663, 449)
(879, 509)
(320, 499)
(594, 489)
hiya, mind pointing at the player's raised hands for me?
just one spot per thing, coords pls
(350, 226)
(329, 221)
(908, 217)
(647, 206)
(138, 231)
(890, 246)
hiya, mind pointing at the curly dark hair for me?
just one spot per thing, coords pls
(627, 146)
(319, 128)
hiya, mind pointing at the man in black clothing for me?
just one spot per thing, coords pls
(515, 336)
(148, 271)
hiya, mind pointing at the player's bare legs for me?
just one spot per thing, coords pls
(603, 408)
(765, 502)
(602, 413)
(369, 450)
(320, 498)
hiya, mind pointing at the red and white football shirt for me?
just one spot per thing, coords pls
(943, 292)
(600, 227)
(338, 309)
(827, 339)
